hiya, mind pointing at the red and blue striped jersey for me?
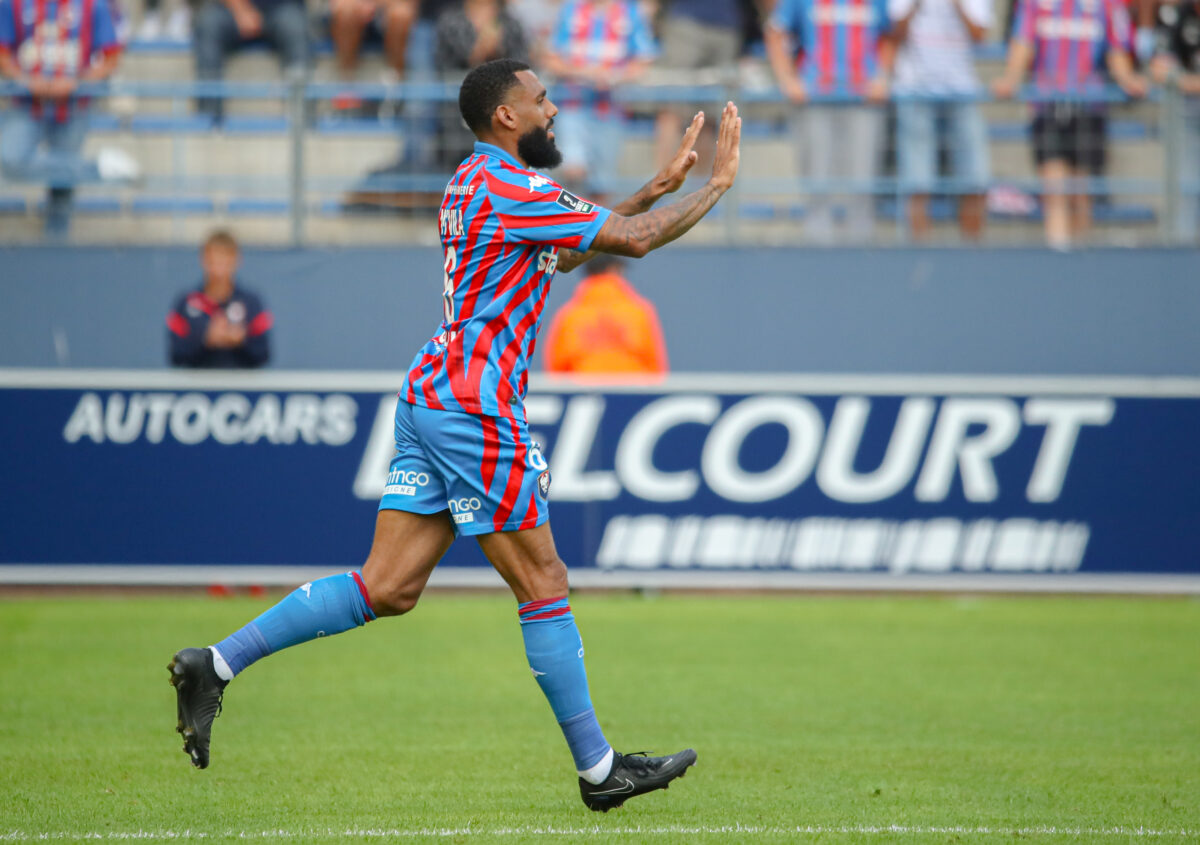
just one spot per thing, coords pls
(608, 35)
(1070, 39)
(56, 38)
(501, 227)
(837, 41)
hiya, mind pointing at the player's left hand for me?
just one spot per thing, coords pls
(672, 177)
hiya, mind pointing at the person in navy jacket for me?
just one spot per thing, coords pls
(219, 324)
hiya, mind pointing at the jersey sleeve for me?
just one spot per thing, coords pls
(534, 209)
(8, 27)
(104, 27)
(980, 12)
(883, 22)
(786, 18)
(899, 9)
(1116, 29)
(560, 37)
(641, 38)
(256, 350)
(185, 333)
(1025, 26)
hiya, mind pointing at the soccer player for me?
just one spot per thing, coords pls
(464, 462)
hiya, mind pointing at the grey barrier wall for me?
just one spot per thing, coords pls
(1018, 311)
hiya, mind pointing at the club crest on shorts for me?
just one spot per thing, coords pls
(544, 484)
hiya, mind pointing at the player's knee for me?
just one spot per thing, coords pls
(390, 594)
(395, 601)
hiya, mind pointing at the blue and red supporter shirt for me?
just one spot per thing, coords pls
(187, 324)
(607, 35)
(1070, 39)
(57, 38)
(837, 41)
(501, 227)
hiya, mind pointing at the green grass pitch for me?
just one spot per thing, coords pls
(817, 719)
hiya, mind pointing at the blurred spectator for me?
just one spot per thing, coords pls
(1065, 41)
(696, 35)
(538, 18)
(222, 26)
(597, 46)
(839, 49)
(606, 327)
(476, 32)
(390, 21)
(50, 51)
(1177, 61)
(934, 61)
(219, 324)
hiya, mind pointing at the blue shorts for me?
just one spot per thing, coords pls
(485, 470)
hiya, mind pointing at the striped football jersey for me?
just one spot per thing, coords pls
(501, 227)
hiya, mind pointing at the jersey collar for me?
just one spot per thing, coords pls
(492, 150)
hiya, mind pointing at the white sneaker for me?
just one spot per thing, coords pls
(151, 27)
(179, 25)
(116, 165)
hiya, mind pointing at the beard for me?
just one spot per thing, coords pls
(536, 148)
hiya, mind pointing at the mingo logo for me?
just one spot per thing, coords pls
(463, 509)
(402, 482)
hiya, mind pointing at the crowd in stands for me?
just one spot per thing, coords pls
(913, 56)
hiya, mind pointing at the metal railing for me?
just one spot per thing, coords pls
(1167, 125)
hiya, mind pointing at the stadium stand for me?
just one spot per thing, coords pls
(198, 174)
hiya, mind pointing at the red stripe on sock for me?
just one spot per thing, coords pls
(538, 604)
(549, 614)
(362, 588)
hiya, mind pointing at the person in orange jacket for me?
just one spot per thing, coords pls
(606, 327)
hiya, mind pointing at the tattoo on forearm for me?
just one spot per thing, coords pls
(641, 233)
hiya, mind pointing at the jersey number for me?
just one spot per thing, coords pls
(448, 292)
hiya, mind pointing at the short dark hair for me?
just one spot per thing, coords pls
(222, 239)
(606, 262)
(484, 89)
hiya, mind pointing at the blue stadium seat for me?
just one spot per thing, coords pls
(12, 205)
(99, 121)
(354, 126)
(255, 124)
(172, 205)
(170, 123)
(258, 206)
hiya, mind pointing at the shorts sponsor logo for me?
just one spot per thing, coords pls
(536, 459)
(404, 482)
(463, 509)
(573, 203)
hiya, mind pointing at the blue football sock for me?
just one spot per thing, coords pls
(326, 606)
(555, 653)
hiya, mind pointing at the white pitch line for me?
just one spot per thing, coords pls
(598, 830)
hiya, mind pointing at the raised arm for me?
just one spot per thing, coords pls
(666, 181)
(637, 233)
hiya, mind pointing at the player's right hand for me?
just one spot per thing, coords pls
(729, 140)
(671, 177)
